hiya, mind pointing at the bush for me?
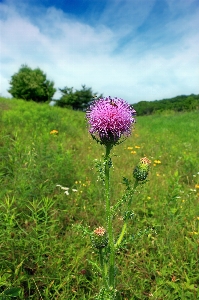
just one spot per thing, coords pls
(31, 84)
(77, 100)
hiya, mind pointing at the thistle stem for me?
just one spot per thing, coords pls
(125, 223)
(109, 219)
(103, 268)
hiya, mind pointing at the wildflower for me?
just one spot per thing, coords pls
(55, 132)
(110, 119)
(129, 148)
(137, 147)
(142, 169)
(64, 188)
(157, 161)
(197, 186)
(133, 152)
(99, 238)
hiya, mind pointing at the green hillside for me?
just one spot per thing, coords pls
(50, 186)
(176, 104)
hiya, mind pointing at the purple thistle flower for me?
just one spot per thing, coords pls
(110, 119)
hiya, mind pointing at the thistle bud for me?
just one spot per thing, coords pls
(99, 238)
(142, 169)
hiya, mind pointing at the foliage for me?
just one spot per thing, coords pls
(177, 104)
(31, 84)
(77, 100)
(44, 256)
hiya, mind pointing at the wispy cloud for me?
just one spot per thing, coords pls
(122, 52)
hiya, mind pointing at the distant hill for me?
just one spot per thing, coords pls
(178, 103)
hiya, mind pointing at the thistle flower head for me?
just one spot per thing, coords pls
(99, 238)
(142, 169)
(110, 119)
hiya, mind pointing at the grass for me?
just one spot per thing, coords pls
(44, 256)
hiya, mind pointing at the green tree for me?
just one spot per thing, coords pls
(77, 100)
(31, 84)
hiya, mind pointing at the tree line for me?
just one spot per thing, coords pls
(32, 84)
(178, 104)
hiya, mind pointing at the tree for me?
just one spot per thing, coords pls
(31, 84)
(77, 100)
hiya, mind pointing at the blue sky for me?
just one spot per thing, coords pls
(133, 49)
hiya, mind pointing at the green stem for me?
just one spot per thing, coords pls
(125, 223)
(133, 190)
(109, 219)
(103, 268)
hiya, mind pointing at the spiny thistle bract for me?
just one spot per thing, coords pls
(105, 294)
(142, 169)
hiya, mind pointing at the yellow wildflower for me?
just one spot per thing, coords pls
(157, 161)
(137, 147)
(197, 186)
(54, 131)
(133, 152)
(129, 148)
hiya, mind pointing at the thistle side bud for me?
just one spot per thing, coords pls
(142, 169)
(99, 238)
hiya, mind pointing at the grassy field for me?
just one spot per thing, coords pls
(44, 256)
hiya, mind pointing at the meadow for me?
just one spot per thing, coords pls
(50, 187)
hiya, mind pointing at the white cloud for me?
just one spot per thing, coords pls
(72, 53)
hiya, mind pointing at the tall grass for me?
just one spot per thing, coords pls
(43, 256)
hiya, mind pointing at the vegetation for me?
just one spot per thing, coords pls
(177, 104)
(48, 190)
(77, 100)
(31, 84)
